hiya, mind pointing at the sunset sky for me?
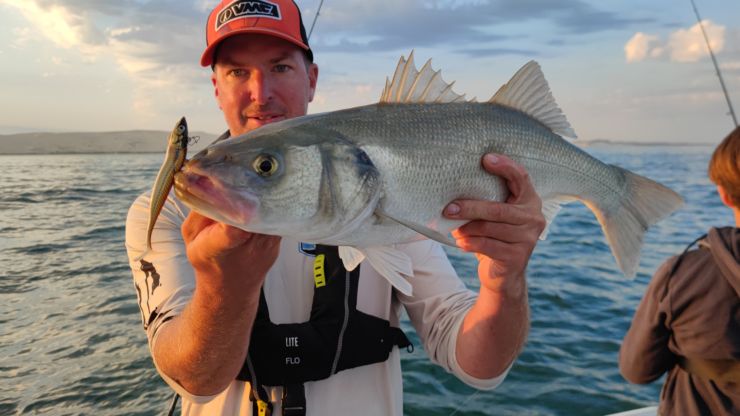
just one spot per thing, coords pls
(631, 70)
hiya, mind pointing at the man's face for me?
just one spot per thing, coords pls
(261, 79)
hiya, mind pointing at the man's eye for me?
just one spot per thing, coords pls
(281, 68)
(238, 72)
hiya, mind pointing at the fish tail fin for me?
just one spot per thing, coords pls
(643, 203)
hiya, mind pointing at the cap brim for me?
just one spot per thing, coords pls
(207, 58)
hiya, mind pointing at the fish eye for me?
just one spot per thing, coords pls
(181, 128)
(265, 165)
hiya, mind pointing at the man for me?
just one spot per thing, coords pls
(212, 317)
(688, 323)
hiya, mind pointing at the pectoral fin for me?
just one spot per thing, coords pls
(351, 257)
(389, 262)
(421, 229)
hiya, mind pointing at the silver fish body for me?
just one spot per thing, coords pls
(382, 174)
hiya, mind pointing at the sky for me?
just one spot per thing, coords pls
(625, 70)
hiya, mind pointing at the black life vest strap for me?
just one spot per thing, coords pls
(294, 400)
(680, 258)
(337, 336)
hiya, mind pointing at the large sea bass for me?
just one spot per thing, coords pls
(368, 177)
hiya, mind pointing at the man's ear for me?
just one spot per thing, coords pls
(215, 89)
(313, 76)
(725, 197)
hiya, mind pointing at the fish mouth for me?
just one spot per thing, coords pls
(214, 200)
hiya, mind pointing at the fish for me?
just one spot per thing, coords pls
(370, 177)
(174, 159)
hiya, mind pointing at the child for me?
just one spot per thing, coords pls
(688, 323)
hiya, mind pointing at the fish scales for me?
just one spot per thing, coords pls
(417, 145)
(369, 177)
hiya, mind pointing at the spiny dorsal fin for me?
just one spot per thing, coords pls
(528, 91)
(410, 85)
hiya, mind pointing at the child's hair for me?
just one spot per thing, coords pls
(724, 167)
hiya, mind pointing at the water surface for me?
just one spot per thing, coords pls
(71, 341)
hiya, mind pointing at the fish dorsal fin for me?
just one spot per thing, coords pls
(412, 86)
(528, 91)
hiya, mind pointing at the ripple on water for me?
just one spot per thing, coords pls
(72, 342)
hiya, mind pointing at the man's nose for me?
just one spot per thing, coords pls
(260, 90)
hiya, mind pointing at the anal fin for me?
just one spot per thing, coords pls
(550, 209)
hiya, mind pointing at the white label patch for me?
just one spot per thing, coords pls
(247, 8)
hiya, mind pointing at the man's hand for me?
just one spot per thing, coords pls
(204, 348)
(219, 250)
(501, 234)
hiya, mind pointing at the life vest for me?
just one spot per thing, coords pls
(336, 337)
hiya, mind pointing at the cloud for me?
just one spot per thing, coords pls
(352, 25)
(487, 52)
(159, 32)
(166, 36)
(157, 43)
(683, 45)
(163, 33)
(154, 43)
(641, 46)
(690, 46)
(53, 22)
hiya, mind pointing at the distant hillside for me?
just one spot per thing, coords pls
(607, 142)
(152, 141)
(134, 141)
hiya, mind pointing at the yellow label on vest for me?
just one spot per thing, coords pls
(319, 278)
(263, 408)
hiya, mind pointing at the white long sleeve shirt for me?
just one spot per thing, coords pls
(436, 310)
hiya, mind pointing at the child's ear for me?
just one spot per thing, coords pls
(725, 197)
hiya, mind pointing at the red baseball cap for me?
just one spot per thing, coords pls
(280, 18)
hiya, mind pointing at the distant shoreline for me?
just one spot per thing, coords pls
(603, 142)
(124, 142)
(152, 141)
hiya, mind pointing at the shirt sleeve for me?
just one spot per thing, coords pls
(644, 355)
(437, 308)
(163, 278)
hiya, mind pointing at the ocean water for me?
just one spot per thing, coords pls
(71, 341)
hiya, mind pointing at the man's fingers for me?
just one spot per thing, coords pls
(487, 246)
(222, 235)
(514, 174)
(508, 233)
(469, 209)
(193, 225)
